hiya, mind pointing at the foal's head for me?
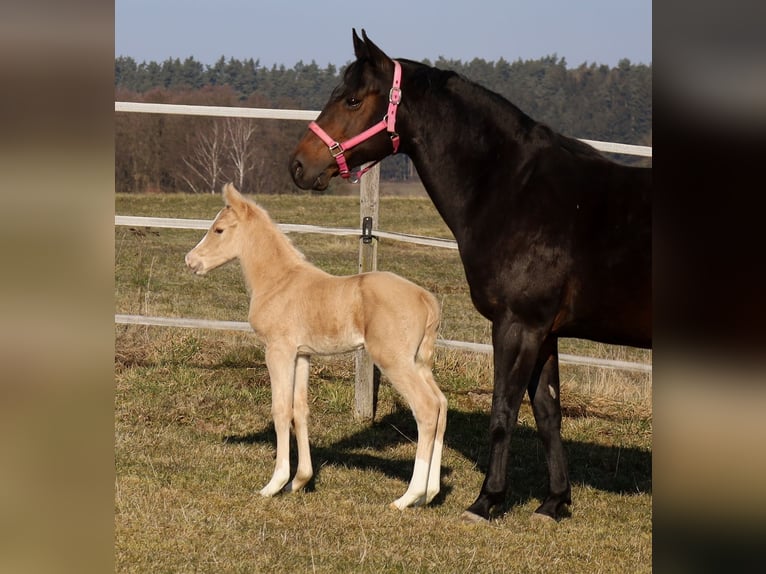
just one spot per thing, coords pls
(357, 103)
(222, 241)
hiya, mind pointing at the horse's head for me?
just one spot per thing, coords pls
(356, 124)
(221, 243)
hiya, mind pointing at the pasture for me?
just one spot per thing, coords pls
(194, 440)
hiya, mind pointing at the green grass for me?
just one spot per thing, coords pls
(194, 441)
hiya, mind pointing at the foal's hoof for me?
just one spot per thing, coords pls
(470, 518)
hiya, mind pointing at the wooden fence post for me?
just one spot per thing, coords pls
(367, 375)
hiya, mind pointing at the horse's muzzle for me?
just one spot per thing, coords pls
(306, 180)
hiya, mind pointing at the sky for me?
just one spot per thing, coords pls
(288, 31)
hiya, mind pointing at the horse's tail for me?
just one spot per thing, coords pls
(425, 353)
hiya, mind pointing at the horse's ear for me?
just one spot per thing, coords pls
(231, 196)
(364, 48)
(360, 49)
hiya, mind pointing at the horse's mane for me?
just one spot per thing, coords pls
(424, 77)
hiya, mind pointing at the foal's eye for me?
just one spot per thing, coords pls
(353, 102)
(218, 230)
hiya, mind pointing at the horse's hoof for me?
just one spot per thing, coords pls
(539, 518)
(471, 518)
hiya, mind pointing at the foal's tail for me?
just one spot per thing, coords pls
(425, 353)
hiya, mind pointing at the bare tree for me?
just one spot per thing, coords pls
(206, 160)
(239, 132)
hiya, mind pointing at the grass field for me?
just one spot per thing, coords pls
(194, 441)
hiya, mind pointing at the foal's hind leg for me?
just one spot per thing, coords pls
(546, 405)
(425, 405)
(300, 423)
(281, 365)
(434, 473)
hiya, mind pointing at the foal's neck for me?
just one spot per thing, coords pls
(267, 256)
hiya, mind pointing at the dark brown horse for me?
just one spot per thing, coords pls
(555, 239)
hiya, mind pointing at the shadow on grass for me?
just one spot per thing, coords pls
(359, 450)
(623, 470)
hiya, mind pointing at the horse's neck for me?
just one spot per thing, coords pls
(267, 255)
(451, 154)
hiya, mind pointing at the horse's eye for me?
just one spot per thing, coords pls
(218, 230)
(352, 102)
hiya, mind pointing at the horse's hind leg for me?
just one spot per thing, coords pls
(300, 423)
(546, 405)
(281, 365)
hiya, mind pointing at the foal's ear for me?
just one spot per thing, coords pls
(365, 48)
(231, 196)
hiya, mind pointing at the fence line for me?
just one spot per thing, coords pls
(265, 113)
(204, 224)
(215, 111)
(444, 343)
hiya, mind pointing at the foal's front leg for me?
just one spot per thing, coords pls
(281, 365)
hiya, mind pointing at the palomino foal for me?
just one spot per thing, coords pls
(298, 310)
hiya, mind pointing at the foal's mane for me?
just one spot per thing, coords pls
(265, 225)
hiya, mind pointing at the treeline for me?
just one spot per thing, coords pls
(183, 153)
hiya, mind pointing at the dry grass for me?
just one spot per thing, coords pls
(194, 440)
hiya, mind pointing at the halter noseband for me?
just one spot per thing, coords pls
(388, 123)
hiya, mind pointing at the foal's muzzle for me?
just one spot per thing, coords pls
(194, 264)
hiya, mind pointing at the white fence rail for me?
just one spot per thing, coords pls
(308, 115)
(445, 343)
(204, 224)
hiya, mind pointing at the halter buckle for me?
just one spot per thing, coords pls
(395, 95)
(336, 149)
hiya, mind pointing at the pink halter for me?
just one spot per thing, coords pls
(388, 123)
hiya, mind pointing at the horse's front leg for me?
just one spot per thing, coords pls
(281, 364)
(544, 393)
(300, 422)
(515, 355)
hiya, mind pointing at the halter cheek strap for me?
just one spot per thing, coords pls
(388, 123)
